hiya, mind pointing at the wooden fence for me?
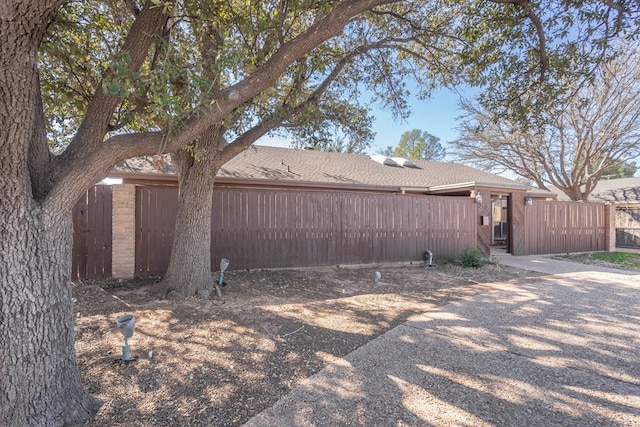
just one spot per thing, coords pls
(560, 227)
(156, 209)
(260, 228)
(268, 228)
(91, 254)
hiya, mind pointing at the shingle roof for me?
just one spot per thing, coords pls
(621, 190)
(285, 164)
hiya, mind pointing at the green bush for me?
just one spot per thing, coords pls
(471, 257)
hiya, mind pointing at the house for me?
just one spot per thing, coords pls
(624, 194)
(272, 167)
(619, 191)
(262, 166)
(280, 207)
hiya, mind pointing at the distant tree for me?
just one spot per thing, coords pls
(623, 170)
(417, 145)
(582, 139)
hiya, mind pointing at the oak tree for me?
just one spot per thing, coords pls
(149, 94)
(40, 379)
(585, 137)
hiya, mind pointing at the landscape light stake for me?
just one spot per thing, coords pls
(127, 325)
(224, 263)
(428, 256)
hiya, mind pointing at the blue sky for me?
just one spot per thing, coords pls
(436, 115)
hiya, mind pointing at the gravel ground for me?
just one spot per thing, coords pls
(221, 361)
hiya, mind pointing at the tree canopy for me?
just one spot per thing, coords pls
(572, 146)
(624, 170)
(416, 144)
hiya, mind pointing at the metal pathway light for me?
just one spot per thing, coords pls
(224, 263)
(126, 325)
(428, 256)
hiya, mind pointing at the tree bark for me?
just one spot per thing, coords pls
(38, 371)
(39, 378)
(189, 269)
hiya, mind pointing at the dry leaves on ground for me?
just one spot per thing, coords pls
(219, 362)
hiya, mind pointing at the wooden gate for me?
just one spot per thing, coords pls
(271, 229)
(560, 227)
(91, 255)
(156, 209)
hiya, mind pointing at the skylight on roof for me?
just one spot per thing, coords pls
(383, 160)
(392, 161)
(403, 162)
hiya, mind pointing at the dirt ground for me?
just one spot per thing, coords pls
(218, 362)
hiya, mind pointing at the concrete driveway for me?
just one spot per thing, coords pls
(562, 350)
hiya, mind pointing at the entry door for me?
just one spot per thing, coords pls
(500, 221)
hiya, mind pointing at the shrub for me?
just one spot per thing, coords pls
(471, 257)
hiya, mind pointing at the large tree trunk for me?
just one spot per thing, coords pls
(39, 378)
(189, 269)
(38, 371)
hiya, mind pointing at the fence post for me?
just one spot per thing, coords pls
(610, 227)
(124, 243)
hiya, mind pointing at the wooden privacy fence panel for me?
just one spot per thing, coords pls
(91, 254)
(270, 229)
(560, 227)
(260, 229)
(628, 226)
(156, 209)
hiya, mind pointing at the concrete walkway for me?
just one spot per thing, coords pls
(547, 264)
(563, 350)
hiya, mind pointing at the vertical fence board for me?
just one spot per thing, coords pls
(92, 234)
(560, 227)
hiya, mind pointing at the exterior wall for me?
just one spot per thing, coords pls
(124, 244)
(517, 226)
(484, 221)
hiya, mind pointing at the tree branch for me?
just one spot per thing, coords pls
(145, 30)
(266, 75)
(90, 159)
(525, 5)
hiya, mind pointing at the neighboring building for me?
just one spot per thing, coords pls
(624, 193)
(618, 191)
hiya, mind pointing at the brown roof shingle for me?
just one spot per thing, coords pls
(286, 164)
(292, 165)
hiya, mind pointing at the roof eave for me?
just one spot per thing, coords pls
(172, 179)
(476, 184)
